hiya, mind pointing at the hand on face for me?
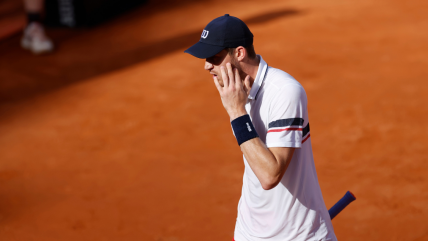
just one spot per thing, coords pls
(234, 92)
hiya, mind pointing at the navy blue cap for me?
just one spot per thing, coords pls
(223, 32)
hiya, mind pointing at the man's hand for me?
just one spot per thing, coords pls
(234, 93)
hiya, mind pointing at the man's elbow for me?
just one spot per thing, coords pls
(269, 183)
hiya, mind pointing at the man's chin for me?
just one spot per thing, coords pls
(220, 82)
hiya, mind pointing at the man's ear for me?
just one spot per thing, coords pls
(240, 53)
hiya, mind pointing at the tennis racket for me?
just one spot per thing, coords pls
(341, 204)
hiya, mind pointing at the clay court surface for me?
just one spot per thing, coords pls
(119, 135)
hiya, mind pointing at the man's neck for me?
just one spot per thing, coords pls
(251, 68)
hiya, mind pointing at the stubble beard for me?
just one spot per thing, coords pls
(235, 64)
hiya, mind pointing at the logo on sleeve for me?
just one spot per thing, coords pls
(248, 126)
(205, 33)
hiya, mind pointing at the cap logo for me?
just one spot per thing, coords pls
(205, 33)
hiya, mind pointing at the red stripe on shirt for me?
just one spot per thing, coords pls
(286, 129)
(306, 138)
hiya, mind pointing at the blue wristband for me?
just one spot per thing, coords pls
(243, 129)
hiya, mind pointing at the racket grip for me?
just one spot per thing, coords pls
(341, 204)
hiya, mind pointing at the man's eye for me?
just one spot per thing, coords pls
(216, 59)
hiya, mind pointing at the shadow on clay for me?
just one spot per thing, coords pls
(25, 76)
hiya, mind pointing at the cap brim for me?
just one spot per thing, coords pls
(203, 50)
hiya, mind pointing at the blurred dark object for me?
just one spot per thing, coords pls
(76, 13)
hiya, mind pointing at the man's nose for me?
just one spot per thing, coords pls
(208, 65)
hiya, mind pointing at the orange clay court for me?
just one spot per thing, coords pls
(119, 135)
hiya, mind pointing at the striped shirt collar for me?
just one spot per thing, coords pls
(261, 74)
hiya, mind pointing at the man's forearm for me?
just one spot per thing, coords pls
(268, 169)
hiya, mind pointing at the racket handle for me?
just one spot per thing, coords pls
(341, 204)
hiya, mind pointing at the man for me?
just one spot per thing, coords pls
(281, 198)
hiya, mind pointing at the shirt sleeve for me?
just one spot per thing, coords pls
(286, 117)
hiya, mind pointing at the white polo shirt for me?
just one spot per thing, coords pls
(294, 209)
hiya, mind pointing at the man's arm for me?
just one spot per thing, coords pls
(269, 165)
